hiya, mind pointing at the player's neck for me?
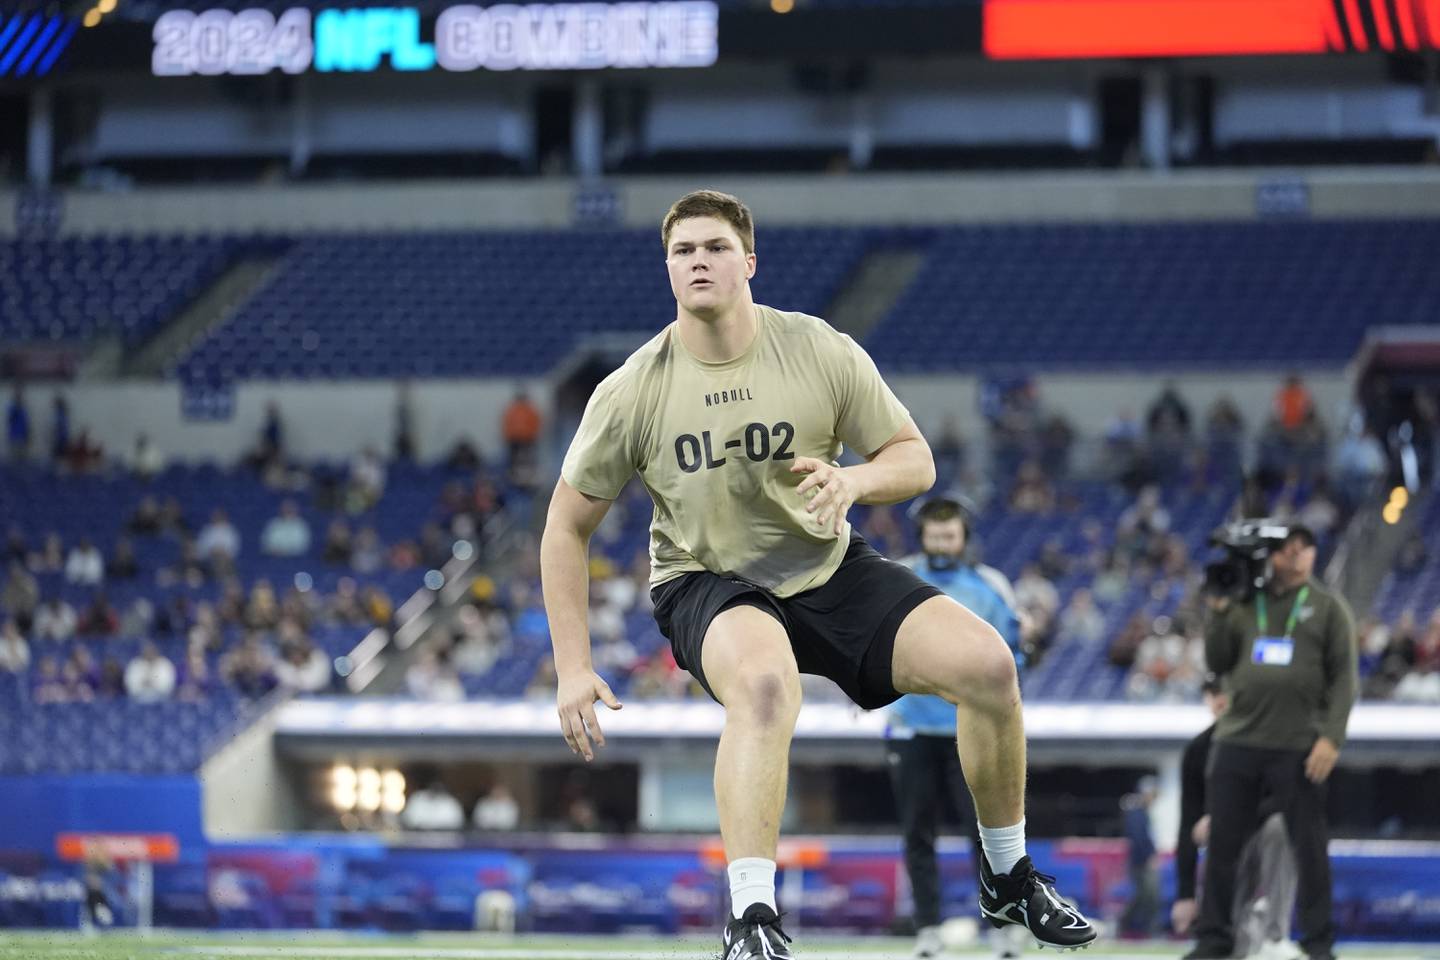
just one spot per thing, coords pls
(721, 337)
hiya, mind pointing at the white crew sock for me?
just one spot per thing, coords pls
(752, 881)
(1004, 846)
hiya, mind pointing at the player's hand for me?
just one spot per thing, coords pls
(1182, 915)
(1200, 833)
(836, 491)
(575, 702)
(1321, 760)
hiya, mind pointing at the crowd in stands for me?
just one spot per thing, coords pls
(1123, 585)
(205, 603)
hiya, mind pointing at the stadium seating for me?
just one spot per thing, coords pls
(503, 303)
(478, 303)
(82, 289)
(1257, 295)
(174, 736)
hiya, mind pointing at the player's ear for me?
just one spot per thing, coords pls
(749, 266)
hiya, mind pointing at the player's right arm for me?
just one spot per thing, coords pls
(565, 579)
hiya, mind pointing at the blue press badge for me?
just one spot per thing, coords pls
(1273, 651)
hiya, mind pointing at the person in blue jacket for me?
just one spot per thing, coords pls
(924, 767)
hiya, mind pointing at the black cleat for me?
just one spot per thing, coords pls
(755, 936)
(1027, 898)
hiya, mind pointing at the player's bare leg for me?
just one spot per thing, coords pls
(942, 648)
(749, 664)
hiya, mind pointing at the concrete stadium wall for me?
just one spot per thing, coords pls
(338, 419)
(789, 199)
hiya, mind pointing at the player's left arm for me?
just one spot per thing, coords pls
(901, 468)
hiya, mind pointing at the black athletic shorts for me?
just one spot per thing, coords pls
(844, 629)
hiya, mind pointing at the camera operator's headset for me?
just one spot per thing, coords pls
(941, 506)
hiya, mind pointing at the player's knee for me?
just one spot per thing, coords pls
(767, 695)
(985, 678)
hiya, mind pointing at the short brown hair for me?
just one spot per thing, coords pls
(711, 203)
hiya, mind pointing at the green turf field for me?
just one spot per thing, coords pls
(330, 946)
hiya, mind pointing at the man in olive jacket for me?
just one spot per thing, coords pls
(1287, 658)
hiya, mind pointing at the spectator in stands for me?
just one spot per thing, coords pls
(189, 569)
(85, 453)
(1143, 519)
(464, 456)
(304, 607)
(379, 608)
(404, 425)
(20, 595)
(1141, 916)
(433, 677)
(949, 451)
(1057, 439)
(48, 686)
(85, 664)
(1293, 404)
(432, 807)
(205, 632)
(145, 521)
(1360, 462)
(1037, 602)
(59, 428)
(1122, 444)
(100, 618)
(147, 460)
(112, 680)
(476, 645)
(77, 686)
(338, 544)
(367, 481)
(286, 535)
(1168, 665)
(249, 667)
(85, 567)
(520, 425)
(1168, 418)
(150, 677)
(367, 556)
(270, 447)
(17, 425)
(172, 518)
(497, 810)
(55, 620)
(263, 610)
(219, 541)
(138, 620)
(1320, 512)
(303, 668)
(195, 682)
(1082, 620)
(1032, 492)
(50, 558)
(346, 606)
(14, 651)
(123, 563)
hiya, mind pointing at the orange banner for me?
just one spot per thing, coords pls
(153, 847)
(1056, 29)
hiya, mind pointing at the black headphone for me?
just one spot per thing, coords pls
(943, 508)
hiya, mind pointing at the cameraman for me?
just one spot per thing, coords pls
(1286, 654)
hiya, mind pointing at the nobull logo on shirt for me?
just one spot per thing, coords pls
(728, 396)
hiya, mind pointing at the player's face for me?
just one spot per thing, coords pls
(943, 538)
(708, 265)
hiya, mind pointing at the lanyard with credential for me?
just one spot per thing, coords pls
(1262, 619)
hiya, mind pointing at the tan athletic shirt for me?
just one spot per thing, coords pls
(714, 444)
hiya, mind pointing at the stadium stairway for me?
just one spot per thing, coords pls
(213, 309)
